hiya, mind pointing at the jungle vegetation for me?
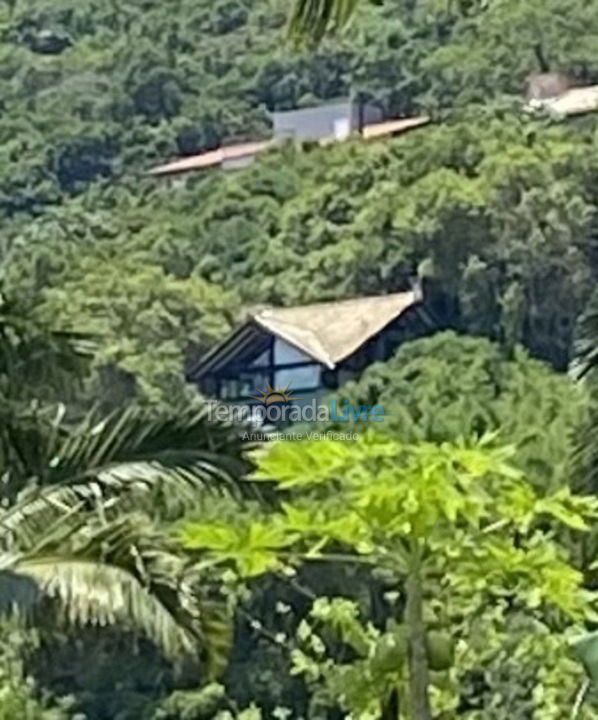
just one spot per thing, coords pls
(156, 565)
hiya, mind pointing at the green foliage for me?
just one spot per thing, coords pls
(18, 696)
(16, 700)
(148, 320)
(457, 519)
(358, 219)
(77, 538)
(252, 547)
(493, 205)
(190, 705)
(495, 212)
(82, 540)
(449, 386)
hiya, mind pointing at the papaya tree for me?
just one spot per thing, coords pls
(468, 541)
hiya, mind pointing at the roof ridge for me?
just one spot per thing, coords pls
(338, 301)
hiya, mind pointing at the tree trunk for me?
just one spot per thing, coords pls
(389, 707)
(419, 701)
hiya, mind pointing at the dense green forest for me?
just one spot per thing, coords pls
(156, 565)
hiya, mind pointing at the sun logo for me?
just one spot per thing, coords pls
(271, 395)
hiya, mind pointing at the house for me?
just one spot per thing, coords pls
(547, 85)
(560, 95)
(334, 121)
(574, 101)
(330, 121)
(307, 351)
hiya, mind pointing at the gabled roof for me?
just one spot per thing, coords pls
(327, 332)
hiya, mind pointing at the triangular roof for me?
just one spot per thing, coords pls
(327, 332)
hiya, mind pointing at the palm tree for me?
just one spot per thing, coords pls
(584, 367)
(83, 501)
(85, 528)
(585, 361)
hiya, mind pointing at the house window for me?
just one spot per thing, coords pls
(283, 366)
(238, 388)
(250, 382)
(262, 360)
(229, 389)
(303, 376)
(285, 354)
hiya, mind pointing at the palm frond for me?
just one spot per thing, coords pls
(312, 19)
(96, 593)
(68, 532)
(185, 440)
(39, 525)
(586, 341)
(167, 460)
(119, 571)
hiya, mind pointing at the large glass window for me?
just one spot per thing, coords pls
(285, 354)
(250, 383)
(304, 373)
(262, 360)
(305, 376)
(229, 389)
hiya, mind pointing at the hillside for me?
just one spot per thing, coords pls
(97, 90)
(121, 504)
(94, 93)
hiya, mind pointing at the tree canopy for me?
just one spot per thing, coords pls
(151, 579)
